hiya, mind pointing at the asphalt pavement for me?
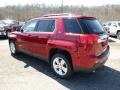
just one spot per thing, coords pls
(23, 72)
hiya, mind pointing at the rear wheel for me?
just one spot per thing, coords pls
(61, 66)
(13, 48)
(118, 35)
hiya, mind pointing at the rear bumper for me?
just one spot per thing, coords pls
(100, 60)
(94, 62)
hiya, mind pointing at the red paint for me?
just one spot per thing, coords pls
(83, 48)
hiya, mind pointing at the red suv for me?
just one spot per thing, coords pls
(68, 42)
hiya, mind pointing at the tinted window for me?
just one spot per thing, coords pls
(72, 26)
(46, 26)
(30, 26)
(91, 26)
(119, 24)
(88, 26)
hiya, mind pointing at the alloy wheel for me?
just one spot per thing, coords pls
(12, 48)
(60, 66)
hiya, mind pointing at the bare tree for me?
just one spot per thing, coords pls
(23, 13)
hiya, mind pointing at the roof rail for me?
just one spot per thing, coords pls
(59, 14)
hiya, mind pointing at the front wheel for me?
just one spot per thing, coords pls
(61, 65)
(118, 35)
(13, 48)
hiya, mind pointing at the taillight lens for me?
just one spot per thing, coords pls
(88, 42)
(89, 39)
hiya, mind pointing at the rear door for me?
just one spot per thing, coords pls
(45, 30)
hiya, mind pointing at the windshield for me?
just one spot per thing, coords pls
(87, 26)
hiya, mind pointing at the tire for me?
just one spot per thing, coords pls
(13, 48)
(61, 66)
(118, 35)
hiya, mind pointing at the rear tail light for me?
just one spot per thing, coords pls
(92, 39)
(89, 39)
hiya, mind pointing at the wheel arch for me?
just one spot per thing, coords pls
(54, 51)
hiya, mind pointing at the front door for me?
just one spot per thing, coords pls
(25, 38)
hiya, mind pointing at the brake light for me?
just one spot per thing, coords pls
(89, 39)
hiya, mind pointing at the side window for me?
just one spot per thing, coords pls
(46, 26)
(30, 26)
(72, 26)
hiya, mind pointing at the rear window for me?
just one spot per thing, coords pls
(87, 26)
